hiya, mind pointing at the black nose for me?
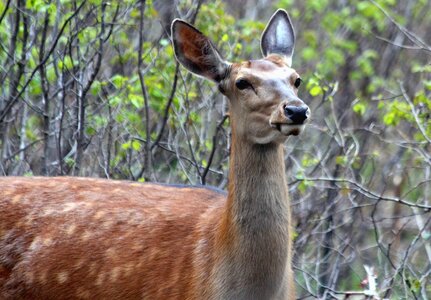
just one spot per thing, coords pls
(297, 114)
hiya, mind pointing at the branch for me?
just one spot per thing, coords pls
(366, 192)
(147, 161)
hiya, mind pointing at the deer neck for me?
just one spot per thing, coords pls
(254, 232)
(257, 204)
(257, 193)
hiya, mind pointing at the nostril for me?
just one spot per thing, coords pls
(296, 114)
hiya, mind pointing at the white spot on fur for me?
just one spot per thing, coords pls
(93, 268)
(99, 215)
(29, 276)
(108, 224)
(62, 277)
(71, 229)
(79, 263)
(128, 269)
(8, 193)
(49, 212)
(111, 253)
(115, 273)
(86, 235)
(43, 278)
(16, 199)
(37, 243)
(137, 246)
(47, 241)
(100, 278)
(88, 204)
(70, 206)
(153, 254)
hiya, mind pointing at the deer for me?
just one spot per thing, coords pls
(88, 238)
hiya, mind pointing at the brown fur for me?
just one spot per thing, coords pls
(73, 238)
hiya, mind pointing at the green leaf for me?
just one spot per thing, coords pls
(70, 162)
(304, 185)
(308, 161)
(315, 91)
(136, 100)
(360, 108)
(427, 84)
(118, 80)
(309, 54)
(136, 145)
(390, 119)
(421, 68)
(341, 160)
(96, 87)
(90, 130)
(334, 56)
(126, 146)
(66, 63)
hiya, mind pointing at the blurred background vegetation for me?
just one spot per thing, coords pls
(91, 88)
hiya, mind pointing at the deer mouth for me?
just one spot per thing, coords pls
(289, 118)
(288, 129)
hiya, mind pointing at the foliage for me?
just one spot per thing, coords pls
(92, 88)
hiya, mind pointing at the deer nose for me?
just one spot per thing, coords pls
(297, 114)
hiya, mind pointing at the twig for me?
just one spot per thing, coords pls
(214, 146)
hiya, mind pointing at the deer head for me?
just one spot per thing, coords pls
(264, 106)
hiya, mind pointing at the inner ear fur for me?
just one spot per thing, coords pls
(279, 36)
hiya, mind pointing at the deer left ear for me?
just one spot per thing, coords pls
(196, 52)
(278, 36)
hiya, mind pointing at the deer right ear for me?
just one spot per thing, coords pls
(278, 36)
(196, 52)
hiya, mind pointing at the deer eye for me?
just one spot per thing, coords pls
(298, 82)
(243, 84)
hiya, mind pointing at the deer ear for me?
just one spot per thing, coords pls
(196, 52)
(278, 36)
